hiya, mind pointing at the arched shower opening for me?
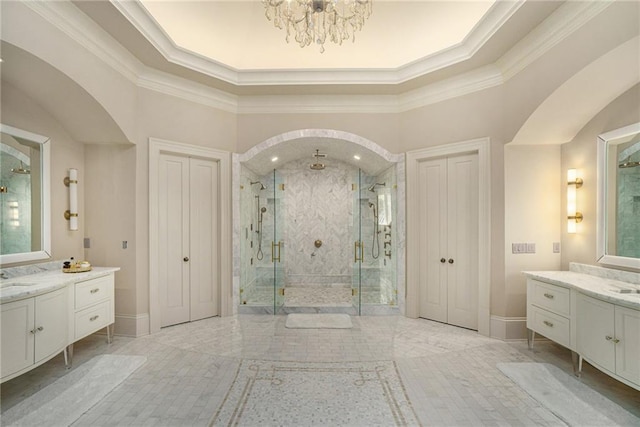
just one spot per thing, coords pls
(319, 226)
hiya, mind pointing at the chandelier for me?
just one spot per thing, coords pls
(315, 21)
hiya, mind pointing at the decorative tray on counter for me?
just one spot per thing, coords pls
(76, 269)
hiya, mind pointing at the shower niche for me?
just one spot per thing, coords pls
(317, 235)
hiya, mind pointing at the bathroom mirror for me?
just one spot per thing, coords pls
(24, 196)
(618, 231)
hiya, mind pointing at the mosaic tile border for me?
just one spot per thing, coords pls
(351, 393)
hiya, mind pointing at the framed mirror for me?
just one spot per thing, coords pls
(25, 218)
(618, 231)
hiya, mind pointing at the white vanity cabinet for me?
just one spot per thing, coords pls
(549, 312)
(44, 314)
(33, 331)
(608, 336)
(93, 305)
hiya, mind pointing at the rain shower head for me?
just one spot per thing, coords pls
(262, 187)
(373, 187)
(317, 166)
(21, 170)
(628, 163)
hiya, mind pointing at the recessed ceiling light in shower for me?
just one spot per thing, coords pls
(274, 159)
(355, 156)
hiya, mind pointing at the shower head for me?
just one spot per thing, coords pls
(21, 170)
(373, 187)
(317, 166)
(628, 163)
(262, 187)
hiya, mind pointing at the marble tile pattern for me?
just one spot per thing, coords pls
(606, 273)
(312, 393)
(449, 374)
(597, 287)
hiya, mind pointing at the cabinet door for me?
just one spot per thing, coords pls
(51, 311)
(17, 336)
(628, 347)
(595, 331)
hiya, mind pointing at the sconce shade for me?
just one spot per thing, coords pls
(72, 213)
(573, 216)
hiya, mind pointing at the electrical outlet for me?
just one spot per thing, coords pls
(556, 247)
(531, 248)
(87, 243)
(124, 244)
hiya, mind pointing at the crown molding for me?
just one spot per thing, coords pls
(76, 25)
(84, 31)
(187, 90)
(140, 18)
(473, 81)
(463, 84)
(568, 18)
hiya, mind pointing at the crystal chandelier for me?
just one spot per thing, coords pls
(318, 20)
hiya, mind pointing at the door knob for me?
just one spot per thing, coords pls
(185, 259)
(450, 260)
(442, 260)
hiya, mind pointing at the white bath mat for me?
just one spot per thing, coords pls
(68, 398)
(566, 397)
(318, 321)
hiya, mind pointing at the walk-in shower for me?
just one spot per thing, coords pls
(325, 221)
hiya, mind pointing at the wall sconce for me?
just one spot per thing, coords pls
(573, 216)
(72, 214)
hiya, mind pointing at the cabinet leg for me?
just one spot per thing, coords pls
(110, 330)
(68, 356)
(531, 334)
(576, 361)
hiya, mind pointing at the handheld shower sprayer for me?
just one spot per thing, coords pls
(375, 245)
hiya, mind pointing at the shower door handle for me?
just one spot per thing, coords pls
(273, 251)
(358, 244)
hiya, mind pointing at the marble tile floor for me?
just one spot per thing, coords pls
(449, 373)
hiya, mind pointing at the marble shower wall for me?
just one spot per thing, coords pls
(318, 206)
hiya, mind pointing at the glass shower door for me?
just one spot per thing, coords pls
(277, 245)
(358, 246)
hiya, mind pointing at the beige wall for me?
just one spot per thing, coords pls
(581, 154)
(532, 215)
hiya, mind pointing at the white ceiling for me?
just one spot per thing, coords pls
(238, 35)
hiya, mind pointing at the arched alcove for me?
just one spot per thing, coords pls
(293, 151)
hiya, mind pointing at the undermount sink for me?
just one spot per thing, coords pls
(14, 284)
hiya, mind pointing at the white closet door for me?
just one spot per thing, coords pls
(204, 257)
(448, 241)
(173, 239)
(432, 189)
(462, 241)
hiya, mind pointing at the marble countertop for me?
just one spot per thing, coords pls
(601, 288)
(35, 284)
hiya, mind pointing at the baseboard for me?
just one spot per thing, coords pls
(509, 328)
(132, 325)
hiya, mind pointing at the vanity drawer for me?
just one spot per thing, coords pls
(552, 326)
(551, 297)
(92, 319)
(93, 291)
